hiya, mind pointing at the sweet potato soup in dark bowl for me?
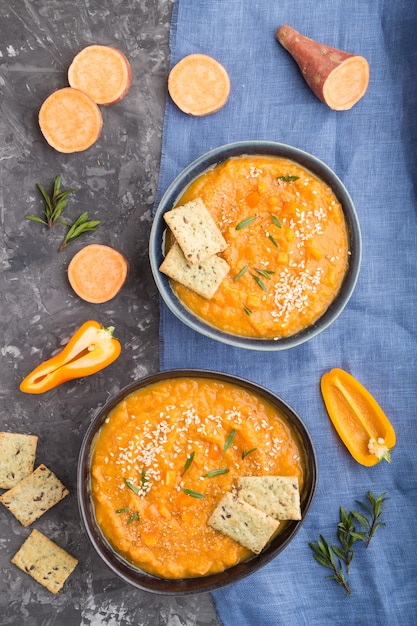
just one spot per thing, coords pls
(289, 252)
(189, 480)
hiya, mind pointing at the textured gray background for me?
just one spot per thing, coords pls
(115, 182)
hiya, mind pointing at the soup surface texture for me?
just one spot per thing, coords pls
(155, 476)
(287, 246)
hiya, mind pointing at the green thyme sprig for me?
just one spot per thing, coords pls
(347, 536)
(54, 204)
(81, 225)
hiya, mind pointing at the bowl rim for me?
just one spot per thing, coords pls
(208, 160)
(203, 584)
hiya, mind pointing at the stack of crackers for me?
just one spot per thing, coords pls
(30, 493)
(193, 259)
(252, 518)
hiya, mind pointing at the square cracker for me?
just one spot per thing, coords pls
(195, 231)
(242, 522)
(49, 564)
(34, 495)
(204, 278)
(277, 496)
(17, 457)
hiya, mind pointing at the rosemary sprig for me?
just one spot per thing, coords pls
(133, 518)
(125, 510)
(247, 310)
(81, 225)
(229, 441)
(246, 453)
(192, 493)
(288, 179)
(216, 472)
(240, 274)
(375, 508)
(190, 459)
(323, 554)
(346, 534)
(54, 205)
(245, 223)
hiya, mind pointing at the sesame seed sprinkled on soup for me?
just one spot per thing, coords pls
(287, 246)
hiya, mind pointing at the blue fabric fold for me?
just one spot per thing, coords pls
(373, 149)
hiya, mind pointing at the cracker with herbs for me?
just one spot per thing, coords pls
(17, 457)
(277, 496)
(47, 563)
(195, 231)
(243, 523)
(34, 495)
(203, 278)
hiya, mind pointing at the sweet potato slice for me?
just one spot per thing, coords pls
(102, 72)
(339, 79)
(199, 85)
(97, 273)
(70, 121)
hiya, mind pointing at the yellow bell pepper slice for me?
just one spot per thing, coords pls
(357, 417)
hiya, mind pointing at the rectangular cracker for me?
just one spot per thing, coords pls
(17, 457)
(277, 496)
(242, 522)
(195, 231)
(204, 278)
(34, 495)
(49, 564)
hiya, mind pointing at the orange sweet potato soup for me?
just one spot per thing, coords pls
(287, 246)
(164, 458)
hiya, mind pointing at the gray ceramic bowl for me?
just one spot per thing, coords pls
(209, 160)
(140, 579)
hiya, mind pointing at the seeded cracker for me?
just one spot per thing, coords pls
(195, 231)
(277, 496)
(204, 278)
(46, 562)
(34, 495)
(17, 457)
(240, 521)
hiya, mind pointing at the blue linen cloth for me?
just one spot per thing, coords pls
(372, 148)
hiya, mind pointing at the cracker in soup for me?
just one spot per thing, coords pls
(243, 523)
(277, 496)
(203, 278)
(195, 231)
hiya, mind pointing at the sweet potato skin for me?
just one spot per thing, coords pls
(324, 68)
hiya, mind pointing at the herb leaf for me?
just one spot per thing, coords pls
(323, 554)
(131, 486)
(229, 441)
(246, 453)
(216, 472)
(245, 223)
(288, 179)
(247, 310)
(273, 240)
(265, 273)
(276, 221)
(125, 510)
(192, 493)
(133, 518)
(81, 225)
(371, 524)
(240, 274)
(259, 282)
(188, 462)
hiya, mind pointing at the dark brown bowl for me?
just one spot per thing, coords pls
(146, 582)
